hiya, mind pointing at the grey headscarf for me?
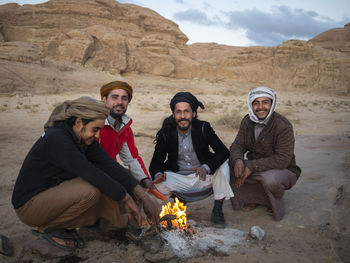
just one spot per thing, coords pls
(258, 93)
(83, 107)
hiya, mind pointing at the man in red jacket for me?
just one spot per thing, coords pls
(117, 137)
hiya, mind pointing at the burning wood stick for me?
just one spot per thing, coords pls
(160, 179)
(156, 193)
(168, 219)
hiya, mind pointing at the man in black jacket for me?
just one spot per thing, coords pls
(182, 153)
(68, 181)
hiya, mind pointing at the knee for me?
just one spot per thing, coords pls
(89, 193)
(224, 170)
(270, 183)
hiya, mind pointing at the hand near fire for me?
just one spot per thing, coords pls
(151, 210)
(133, 212)
(147, 183)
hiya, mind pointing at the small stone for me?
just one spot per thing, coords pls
(257, 232)
(123, 247)
(300, 226)
(152, 245)
(324, 226)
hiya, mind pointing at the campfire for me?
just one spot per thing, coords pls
(174, 217)
(189, 239)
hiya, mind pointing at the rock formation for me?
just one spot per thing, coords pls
(104, 35)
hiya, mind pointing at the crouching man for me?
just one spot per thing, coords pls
(68, 181)
(267, 140)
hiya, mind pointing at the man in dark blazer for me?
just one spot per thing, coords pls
(182, 153)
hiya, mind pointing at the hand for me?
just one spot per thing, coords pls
(239, 168)
(133, 212)
(240, 180)
(159, 178)
(201, 172)
(151, 210)
(149, 207)
(147, 183)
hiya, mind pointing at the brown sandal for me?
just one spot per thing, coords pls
(249, 207)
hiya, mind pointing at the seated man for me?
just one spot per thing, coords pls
(117, 137)
(182, 153)
(268, 140)
(68, 181)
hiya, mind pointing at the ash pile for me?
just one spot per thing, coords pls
(196, 241)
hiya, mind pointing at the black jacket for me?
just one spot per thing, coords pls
(57, 156)
(166, 149)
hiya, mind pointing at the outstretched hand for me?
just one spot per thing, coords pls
(133, 212)
(150, 208)
(147, 183)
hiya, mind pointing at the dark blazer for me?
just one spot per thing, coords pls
(274, 148)
(167, 146)
(57, 156)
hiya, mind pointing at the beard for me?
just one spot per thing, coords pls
(184, 128)
(85, 141)
(117, 115)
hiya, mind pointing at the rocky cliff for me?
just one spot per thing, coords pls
(106, 36)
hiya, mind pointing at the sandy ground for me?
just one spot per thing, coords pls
(316, 225)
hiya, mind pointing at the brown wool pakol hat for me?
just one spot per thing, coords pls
(107, 88)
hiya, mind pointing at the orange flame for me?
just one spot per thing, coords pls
(179, 210)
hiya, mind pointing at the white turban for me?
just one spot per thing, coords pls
(258, 93)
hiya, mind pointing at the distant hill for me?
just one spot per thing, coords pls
(116, 39)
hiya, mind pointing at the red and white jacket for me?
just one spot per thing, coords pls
(122, 143)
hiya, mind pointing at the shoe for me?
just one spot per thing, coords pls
(6, 247)
(63, 234)
(249, 207)
(269, 211)
(217, 217)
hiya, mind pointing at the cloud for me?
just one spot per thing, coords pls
(206, 5)
(195, 16)
(180, 1)
(281, 24)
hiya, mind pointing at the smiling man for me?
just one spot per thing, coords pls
(117, 137)
(68, 181)
(183, 154)
(266, 138)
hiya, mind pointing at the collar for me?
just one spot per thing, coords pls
(76, 140)
(123, 120)
(188, 133)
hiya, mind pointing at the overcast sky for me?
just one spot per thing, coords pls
(247, 22)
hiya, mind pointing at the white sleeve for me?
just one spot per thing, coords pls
(131, 162)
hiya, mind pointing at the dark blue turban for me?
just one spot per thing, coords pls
(186, 97)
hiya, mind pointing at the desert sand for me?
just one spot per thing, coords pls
(316, 225)
(65, 49)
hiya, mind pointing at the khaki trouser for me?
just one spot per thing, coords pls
(72, 204)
